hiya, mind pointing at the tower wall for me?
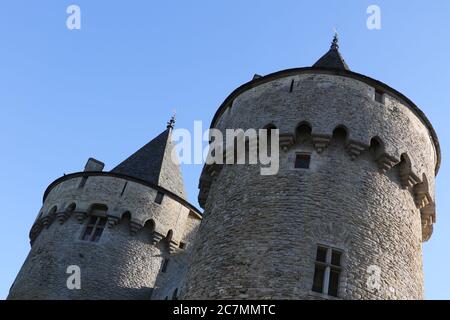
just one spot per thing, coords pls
(259, 235)
(128, 258)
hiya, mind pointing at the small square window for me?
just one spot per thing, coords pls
(159, 197)
(379, 96)
(182, 245)
(302, 161)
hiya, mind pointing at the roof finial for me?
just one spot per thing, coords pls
(335, 42)
(171, 122)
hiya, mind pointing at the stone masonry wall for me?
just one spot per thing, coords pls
(127, 260)
(259, 234)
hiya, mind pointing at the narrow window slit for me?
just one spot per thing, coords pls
(124, 187)
(82, 182)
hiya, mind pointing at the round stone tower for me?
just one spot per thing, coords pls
(348, 210)
(123, 234)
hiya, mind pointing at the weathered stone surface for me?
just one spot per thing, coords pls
(259, 234)
(126, 262)
(369, 193)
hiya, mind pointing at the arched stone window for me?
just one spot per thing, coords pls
(340, 134)
(149, 225)
(52, 211)
(303, 133)
(126, 216)
(376, 147)
(71, 207)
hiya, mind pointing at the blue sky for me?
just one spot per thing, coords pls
(105, 90)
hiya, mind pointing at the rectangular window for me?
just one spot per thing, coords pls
(327, 271)
(94, 229)
(302, 161)
(159, 197)
(379, 96)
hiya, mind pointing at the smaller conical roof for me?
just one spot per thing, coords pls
(333, 58)
(153, 163)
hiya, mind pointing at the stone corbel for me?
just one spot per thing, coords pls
(34, 232)
(428, 218)
(321, 142)
(385, 162)
(62, 216)
(355, 149)
(422, 197)
(173, 247)
(81, 215)
(47, 220)
(135, 226)
(112, 221)
(408, 179)
(286, 141)
(157, 237)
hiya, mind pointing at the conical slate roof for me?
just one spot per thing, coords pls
(153, 163)
(333, 58)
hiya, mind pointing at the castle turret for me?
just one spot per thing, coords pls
(348, 210)
(126, 232)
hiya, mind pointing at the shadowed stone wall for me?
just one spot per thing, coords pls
(125, 262)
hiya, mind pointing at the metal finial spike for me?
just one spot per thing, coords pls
(335, 42)
(171, 122)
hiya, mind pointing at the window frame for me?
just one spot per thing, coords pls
(380, 94)
(304, 154)
(328, 268)
(99, 224)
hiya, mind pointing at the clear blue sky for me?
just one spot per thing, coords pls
(105, 90)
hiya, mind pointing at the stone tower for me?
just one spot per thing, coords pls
(346, 215)
(128, 231)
